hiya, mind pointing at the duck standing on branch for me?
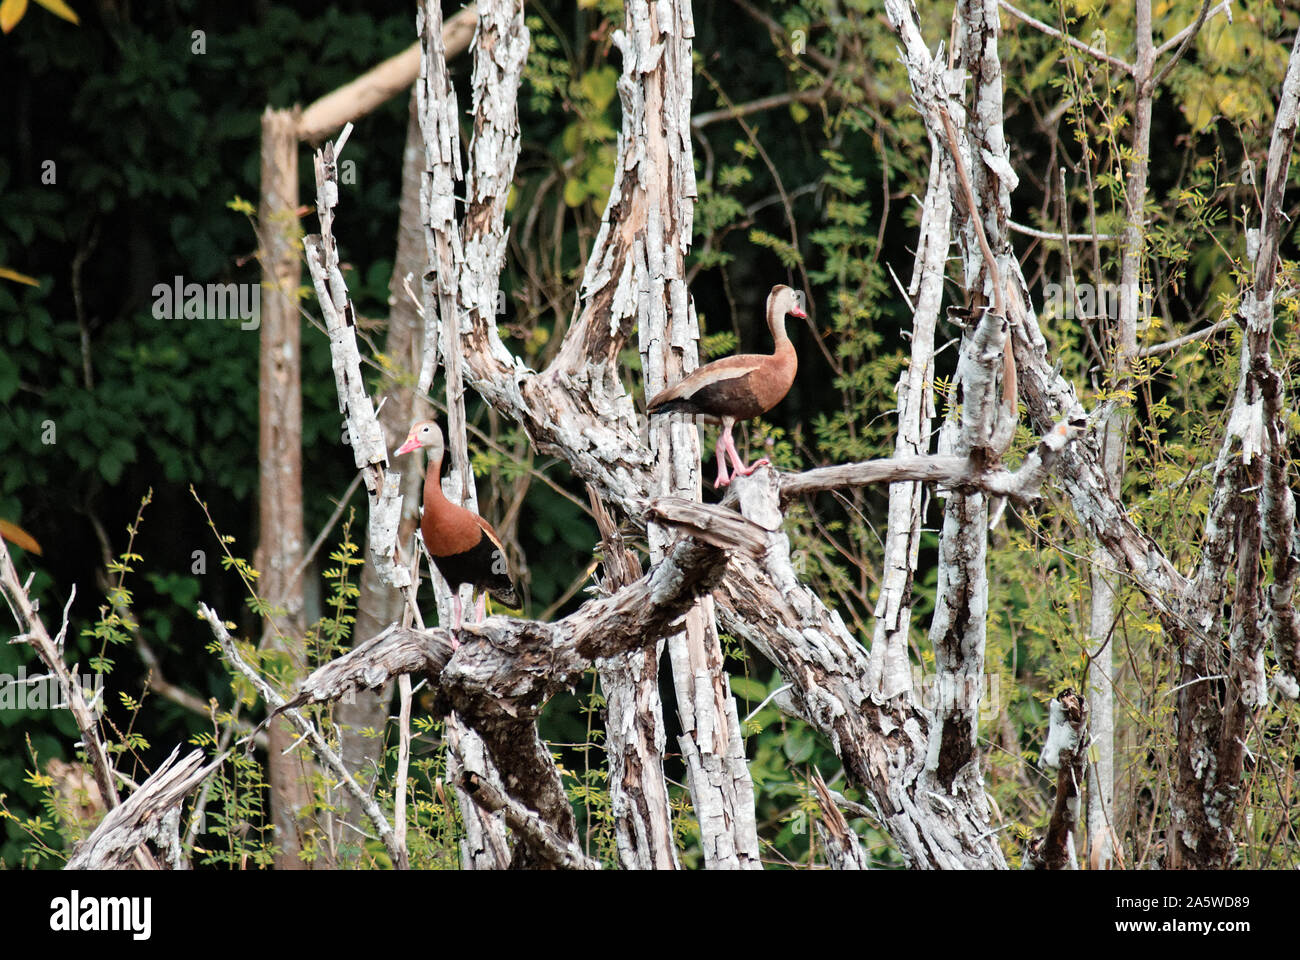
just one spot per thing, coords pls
(739, 387)
(463, 545)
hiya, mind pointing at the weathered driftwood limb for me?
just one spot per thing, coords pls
(1215, 718)
(381, 83)
(634, 726)
(152, 812)
(520, 664)
(712, 524)
(50, 650)
(1024, 484)
(843, 848)
(1066, 752)
(308, 733)
(505, 671)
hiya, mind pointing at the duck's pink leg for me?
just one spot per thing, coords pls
(741, 469)
(455, 618)
(480, 608)
(720, 450)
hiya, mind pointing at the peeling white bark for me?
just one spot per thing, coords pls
(365, 435)
(890, 661)
(634, 727)
(660, 184)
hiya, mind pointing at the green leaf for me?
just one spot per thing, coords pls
(8, 378)
(749, 688)
(797, 744)
(599, 86)
(110, 467)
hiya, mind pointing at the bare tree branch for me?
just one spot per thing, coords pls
(1187, 35)
(956, 472)
(1194, 27)
(558, 851)
(1170, 345)
(50, 652)
(376, 86)
(519, 664)
(1091, 51)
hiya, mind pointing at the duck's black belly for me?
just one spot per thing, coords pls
(483, 566)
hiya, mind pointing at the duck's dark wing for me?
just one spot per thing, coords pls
(713, 389)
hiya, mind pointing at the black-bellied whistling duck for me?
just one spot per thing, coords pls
(463, 545)
(739, 387)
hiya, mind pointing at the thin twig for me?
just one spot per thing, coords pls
(1056, 234)
(1177, 38)
(732, 112)
(1202, 334)
(325, 532)
(1188, 35)
(1077, 44)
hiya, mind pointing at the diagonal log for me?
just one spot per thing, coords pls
(150, 813)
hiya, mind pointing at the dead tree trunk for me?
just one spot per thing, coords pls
(659, 185)
(1222, 687)
(279, 456)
